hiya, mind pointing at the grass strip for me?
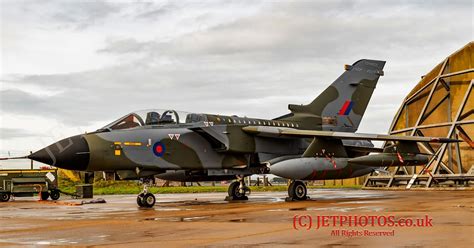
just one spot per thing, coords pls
(133, 187)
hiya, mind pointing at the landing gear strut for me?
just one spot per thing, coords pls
(297, 191)
(146, 199)
(238, 190)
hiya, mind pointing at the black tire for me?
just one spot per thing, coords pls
(297, 191)
(139, 200)
(44, 196)
(54, 194)
(231, 189)
(4, 197)
(234, 191)
(291, 190)
(148, 200)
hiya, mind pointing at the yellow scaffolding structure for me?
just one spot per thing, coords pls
(441, 104)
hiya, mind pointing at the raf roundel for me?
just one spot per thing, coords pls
(159, 149)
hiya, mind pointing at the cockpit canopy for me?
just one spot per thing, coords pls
(154, 117)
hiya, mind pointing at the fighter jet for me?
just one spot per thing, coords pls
(313, 141)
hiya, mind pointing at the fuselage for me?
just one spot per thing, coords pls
(204, 141)
(136, 145)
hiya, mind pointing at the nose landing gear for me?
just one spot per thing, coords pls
(237, 190)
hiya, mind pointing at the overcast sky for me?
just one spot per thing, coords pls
(73, 66)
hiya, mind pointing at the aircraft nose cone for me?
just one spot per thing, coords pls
(71, 153)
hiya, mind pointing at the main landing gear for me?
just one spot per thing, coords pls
(146, 199)
(237, 190)
(297, 191)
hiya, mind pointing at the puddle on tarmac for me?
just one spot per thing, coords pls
(177, 219)
(348, 209)
(327, 194)
(278, 210)
(451, 223)
(238, 220)
(297, 209)
(195, 202)
(337, 209)
(43, 243)
(34, 241)
(162, 209)
(358, 202)
(167, 209)
(277, 199)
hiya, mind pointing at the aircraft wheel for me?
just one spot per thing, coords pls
(148, 200)
(44, 196)
(297, 191)
(54, 194)
(234, 192)
(4, 197)
(140, 199)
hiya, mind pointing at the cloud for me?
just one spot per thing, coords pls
(72, 107)
(247, 58)
(72, 14)
(122, 46)
(323, 30)
(11, 133)
(155, 12)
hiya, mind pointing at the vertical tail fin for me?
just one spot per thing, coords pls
(340, 107)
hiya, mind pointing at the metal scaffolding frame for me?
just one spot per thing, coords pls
(440, 170)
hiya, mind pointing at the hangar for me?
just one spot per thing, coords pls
(441, 104)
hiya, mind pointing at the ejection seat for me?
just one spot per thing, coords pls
(152, 118)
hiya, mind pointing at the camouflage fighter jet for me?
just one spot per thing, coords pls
(314, 141)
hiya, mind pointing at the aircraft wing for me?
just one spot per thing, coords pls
(290, 132)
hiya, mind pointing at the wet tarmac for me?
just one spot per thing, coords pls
(205, 219)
